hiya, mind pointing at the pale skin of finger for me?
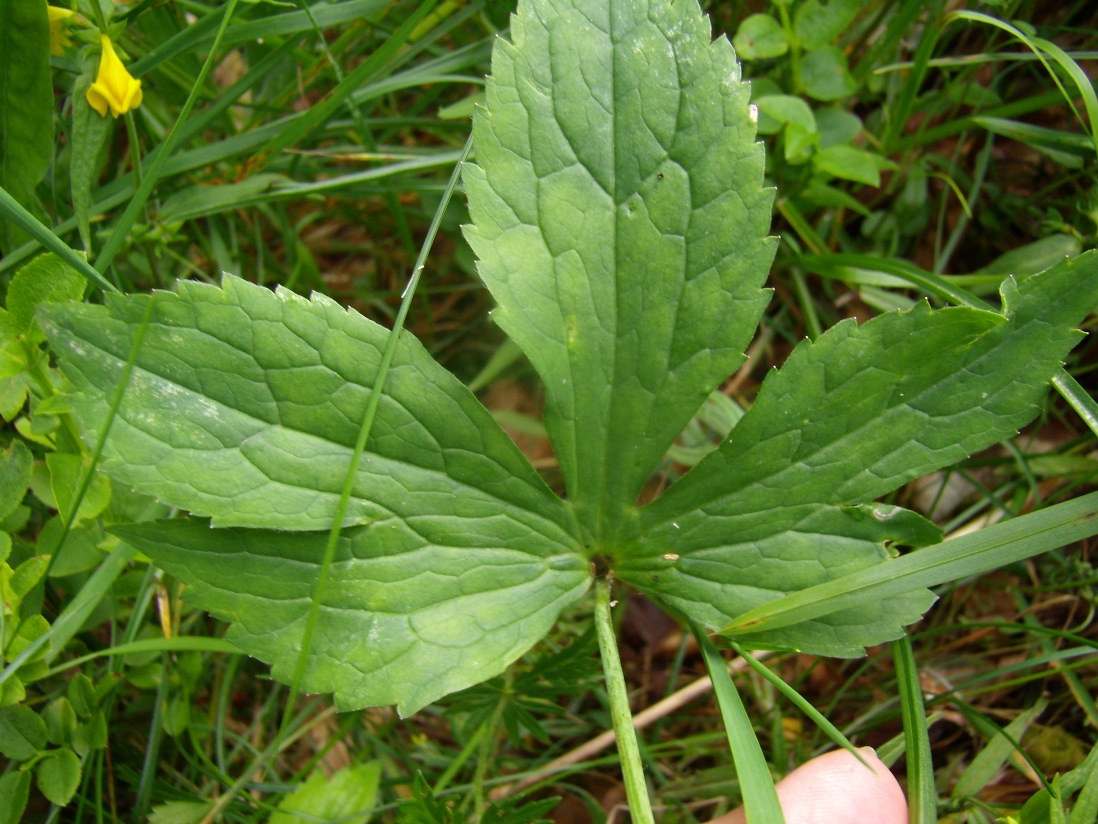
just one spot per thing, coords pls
(836, 788)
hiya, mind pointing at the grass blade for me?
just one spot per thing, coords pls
(1040, 47)
(12, 210)
(814, 715)
(121, 229)
(760, 799)
(990, 548)
(921, 792)
(364, 433)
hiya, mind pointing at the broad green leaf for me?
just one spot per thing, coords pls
(345, 797)
(849, 163)
(15, 474)
(620, 221)
(22, 732)
(825, 75)
(14, 792)
(760, 36)
(1035, 256)
(90, 735)
(26, 105)
(777, 110)
(817, 24)
(786, 502)
(81, 694)
(414, 609)
(26, 575)
(58, 775)
(45, 279)
(78, 550)
(244, 406)
(67, 474)
(60, 721)
(181, 812)
(836, 126)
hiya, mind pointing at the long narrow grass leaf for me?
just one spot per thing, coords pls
(760, 800)
(11, 209)
(75, 613)
(197, 37)
(833, 265)
(973, 554)
(179, 643)
(901, 110)
(1039, 47)
(801, 703)
(322, 111)
(1085, 779)
(988, 761)
(921, 792)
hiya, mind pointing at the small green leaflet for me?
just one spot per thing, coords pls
(621, 222)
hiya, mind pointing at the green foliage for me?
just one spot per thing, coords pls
(366, 526)
(241, 405)
(25, 105)
(347, 797)
(424, 808)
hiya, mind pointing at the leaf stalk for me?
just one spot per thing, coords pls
(636, 789)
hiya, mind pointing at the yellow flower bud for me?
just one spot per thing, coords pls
(59, 22)
(114, 87)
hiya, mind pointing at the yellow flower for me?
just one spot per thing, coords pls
(114, 87)
(59, 22)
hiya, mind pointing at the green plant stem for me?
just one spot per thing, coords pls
(794, 697)
(760, 799)
(135, 155)
(91, 464)
(487, 734)
(636, 790)
(364, 434)
(1078, 398)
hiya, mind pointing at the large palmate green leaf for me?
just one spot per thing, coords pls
(620, 220)
(785, 503)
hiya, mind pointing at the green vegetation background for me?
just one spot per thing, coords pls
(906, 140)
